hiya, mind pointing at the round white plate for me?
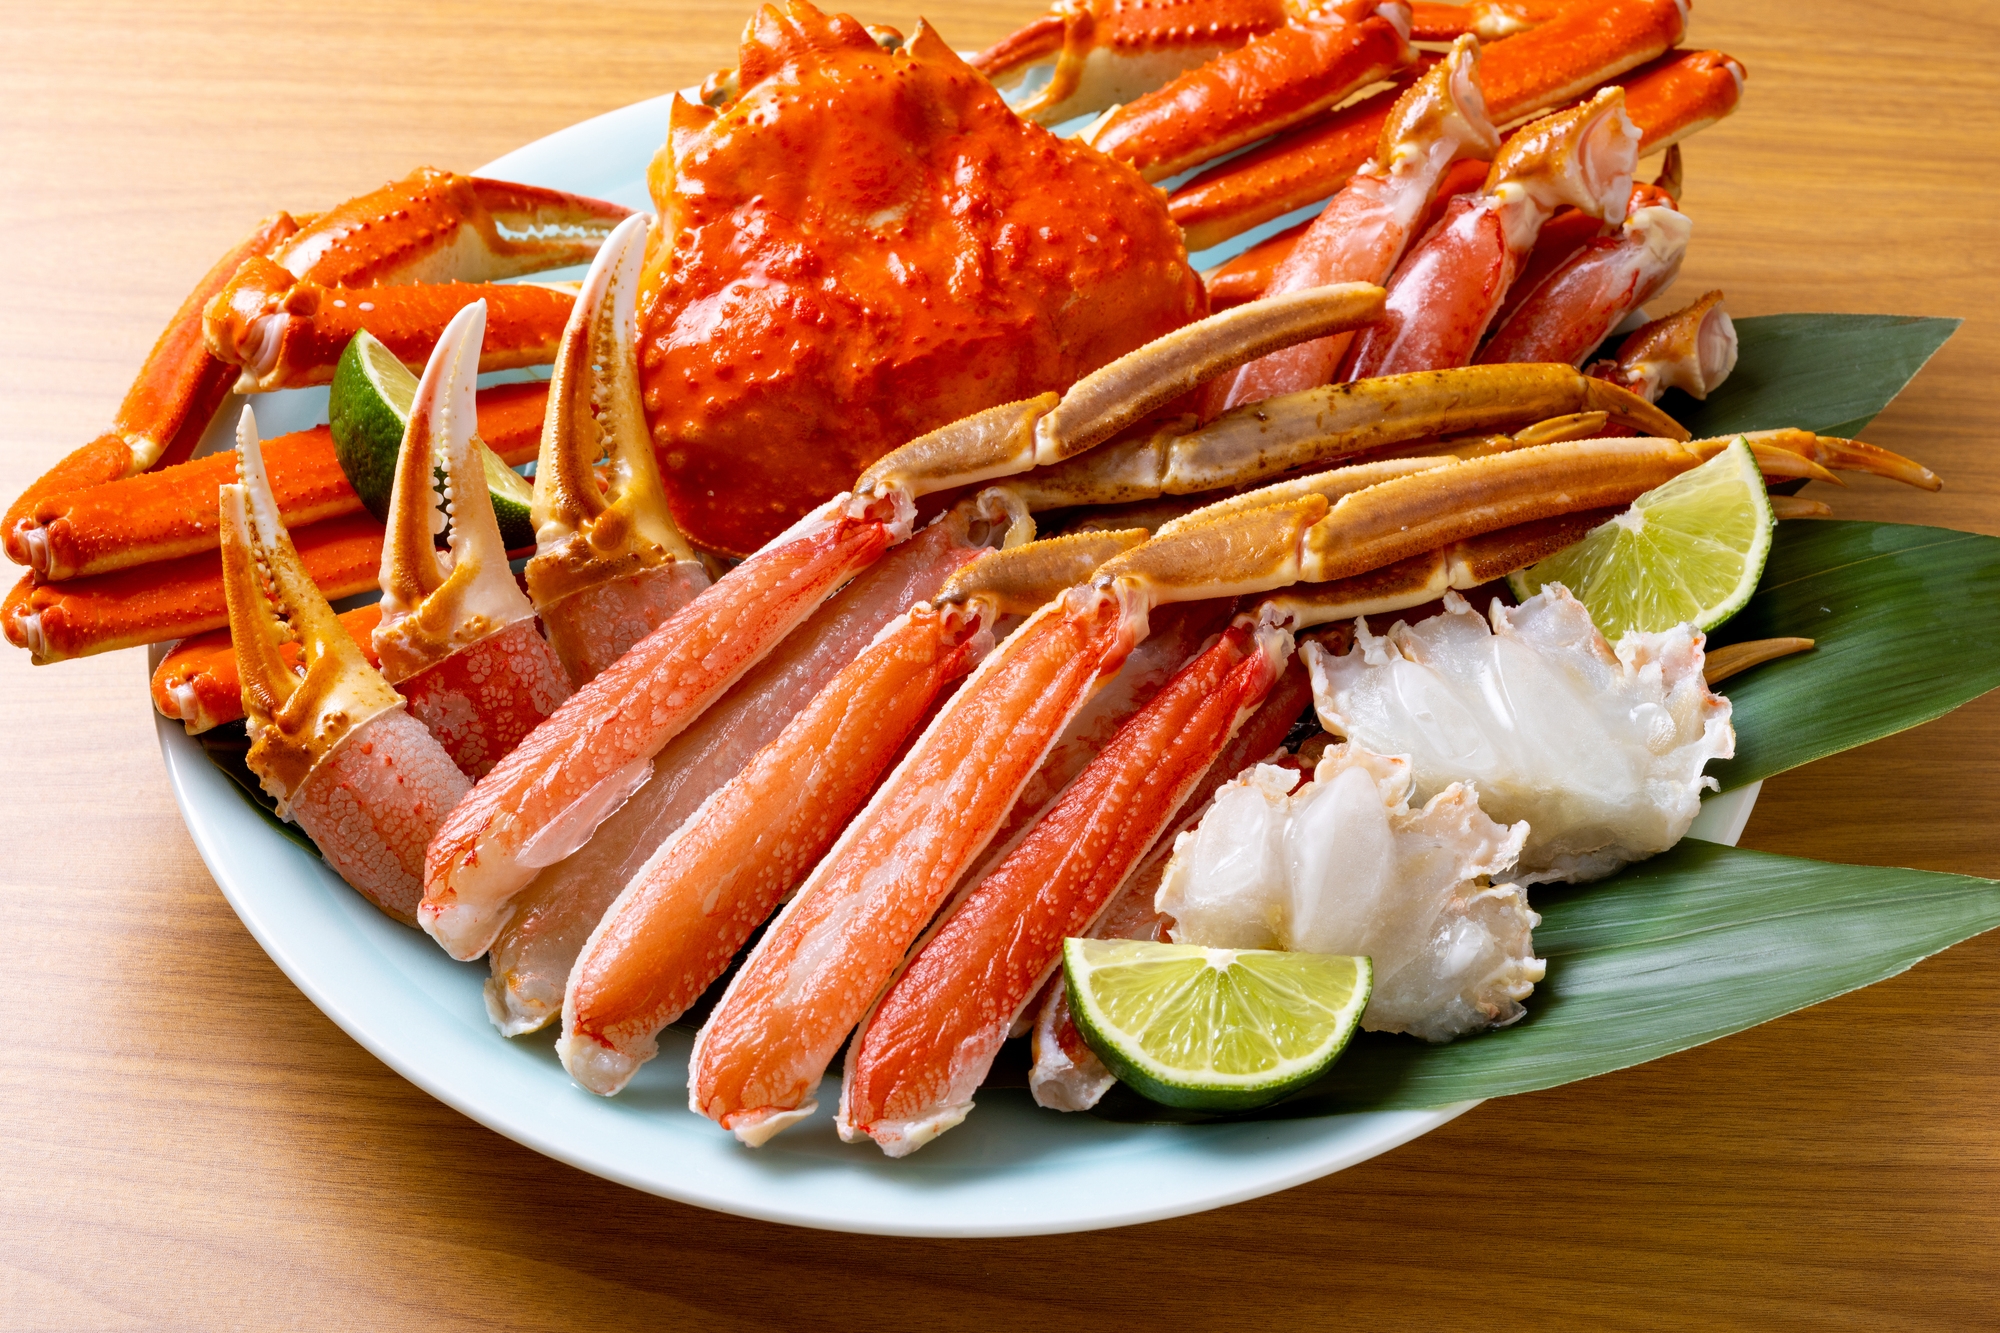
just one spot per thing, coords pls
(1011, 1169)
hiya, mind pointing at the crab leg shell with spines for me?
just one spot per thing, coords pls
(608, 567)
(330, 739)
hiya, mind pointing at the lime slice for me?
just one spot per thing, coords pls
(368, 409)
(1689, 550)
(1213, 1029)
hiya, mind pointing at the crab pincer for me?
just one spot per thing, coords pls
(608, 566)
(458, 639)
(330, 739)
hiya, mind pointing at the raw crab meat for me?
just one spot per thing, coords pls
(865, 245)
(1345, 866)
(1600, 750)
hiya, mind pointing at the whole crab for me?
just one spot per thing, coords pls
(862, 245)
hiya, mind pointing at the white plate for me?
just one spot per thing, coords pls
(1011, 1169)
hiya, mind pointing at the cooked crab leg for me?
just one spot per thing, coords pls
(457, 637)
(609, 566)
(1568, 314)
(1446, 292)
(927, 1046)
(329, 738)
(168, 407)
(1103, 53)
(1555, 63)
(197, 684)
(1067, 1075)
(676, 926)
(532, 957)
(1271, 83)
(399, 262)
(172, 599)
(757, 1063)
(1361, 235)
(545, 798)
(171, 512)
(1692, 350)
(758, 1060)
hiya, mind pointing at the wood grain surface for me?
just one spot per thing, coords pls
(185, 1142)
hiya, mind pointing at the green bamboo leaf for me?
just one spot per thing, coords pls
(1825, 373)
(1696, 944)
(1907, 621)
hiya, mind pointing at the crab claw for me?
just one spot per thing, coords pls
(398, 262)
(458, 637)
(609, 566)
(330, 740)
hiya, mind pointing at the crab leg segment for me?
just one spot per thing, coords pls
(1557, 62)
(912, 1070)
(458, 642)
(1103, 53)
(172, 512)
(608, 567)
(329, 738)
(1067, 1075)
(531, 959)
(1014, 438)
(169, 405)
(399, 262)
(1276, 80)
(678, 923)
(1363, 232)
(197, 684)
(1692, 350)
(546, 797)
(757, 1064)
(1445, 294)
(1319, 426)
(1572, 311)
(172, 599)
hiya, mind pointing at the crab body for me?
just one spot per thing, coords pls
(864, 246)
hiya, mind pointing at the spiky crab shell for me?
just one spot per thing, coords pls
(863, 247)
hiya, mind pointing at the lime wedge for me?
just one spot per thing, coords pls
(1213, 1029)
(1689, 550)
(368, 409)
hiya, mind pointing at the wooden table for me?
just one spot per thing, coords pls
(185, 1141)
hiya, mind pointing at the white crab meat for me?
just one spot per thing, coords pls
(1601, 751)
(1345, 866)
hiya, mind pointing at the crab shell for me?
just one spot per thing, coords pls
(865, 246)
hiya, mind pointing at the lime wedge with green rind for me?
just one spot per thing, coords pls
(1213, 1029)
(1690, 550)
(368, 409)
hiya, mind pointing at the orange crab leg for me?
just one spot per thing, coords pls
(717, 878)
(1574, 309)
(1361, 235)
(1109, 53)
(171, 512)
(1554, 63)
(168, 406)
(1693, 349)
(1270, 84)
(913, 1069)
(198, 684)
(172, 599)
(1444, 296)
(399, 262)
(759, 1059)
(549, 794)
(303, 326)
